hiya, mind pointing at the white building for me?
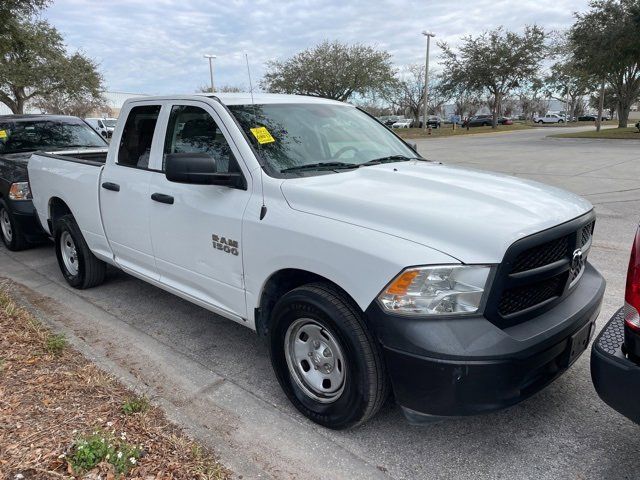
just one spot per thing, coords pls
(114, 102)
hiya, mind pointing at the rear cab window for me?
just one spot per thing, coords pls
(137, 136)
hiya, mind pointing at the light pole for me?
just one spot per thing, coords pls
(426, 77)
(211, 57)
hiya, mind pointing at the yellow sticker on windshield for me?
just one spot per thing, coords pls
(262, 135)
(3, 134)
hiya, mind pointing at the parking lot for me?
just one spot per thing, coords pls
(214, 375)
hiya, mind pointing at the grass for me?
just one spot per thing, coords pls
(628, 133)
(448, 131)
(63, 417)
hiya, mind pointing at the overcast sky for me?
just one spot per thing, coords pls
(157, 46)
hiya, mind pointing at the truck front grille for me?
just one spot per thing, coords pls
(539, 270)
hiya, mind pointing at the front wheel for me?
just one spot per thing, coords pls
(326, 361)
(10, 230)
(80, 267)
(540, 122)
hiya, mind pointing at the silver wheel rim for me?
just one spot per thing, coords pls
(69, 254)
(315, 360)
(5, 224)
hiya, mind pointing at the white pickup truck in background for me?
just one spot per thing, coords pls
(367, 268)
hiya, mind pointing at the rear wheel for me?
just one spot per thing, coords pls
(80, 267)
(540, 122)
(325, 359)
(10, 231)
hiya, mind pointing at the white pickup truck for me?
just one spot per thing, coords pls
(367, 268)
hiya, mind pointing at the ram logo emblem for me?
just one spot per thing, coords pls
(225, 245)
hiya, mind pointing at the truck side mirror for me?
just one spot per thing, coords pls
(198, 169)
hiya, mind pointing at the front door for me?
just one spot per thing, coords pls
(196, 236)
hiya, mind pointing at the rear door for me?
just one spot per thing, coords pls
(196, 238)
(124, 191)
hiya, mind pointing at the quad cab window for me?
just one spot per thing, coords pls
(137, 136)
(192, 130)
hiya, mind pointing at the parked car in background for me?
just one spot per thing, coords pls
(368, 268)
(434, 121)
(404, 123)
(392, 119)
(638, 126)
(20, 136)
(479, 121)
(505, 121)
(104, 126)
(591, 117)
(615, 354)
(549, 118)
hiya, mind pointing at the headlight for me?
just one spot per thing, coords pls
(20, 191)
(436, 290)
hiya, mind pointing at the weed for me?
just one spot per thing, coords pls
(135, 405)
(55, 344)
(87, 452)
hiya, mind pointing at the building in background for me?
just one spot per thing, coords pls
(114, 101)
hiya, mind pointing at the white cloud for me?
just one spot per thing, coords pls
(157, 46)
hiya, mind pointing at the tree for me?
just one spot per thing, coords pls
(331, 70)
(566, 82)
(223, 89)
(605, 43)
(494, 63)
(531, 100)
(610, 101)
(36, 67)
(16, 10)
(406, 92)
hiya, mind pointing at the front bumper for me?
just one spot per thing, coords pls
(467, 365)
(24, 214)
(615, 377)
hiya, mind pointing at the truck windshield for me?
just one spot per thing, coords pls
(308, 138)
(28, 136)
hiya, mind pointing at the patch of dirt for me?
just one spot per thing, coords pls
(51, 398)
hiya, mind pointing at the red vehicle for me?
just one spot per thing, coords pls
(615, 355)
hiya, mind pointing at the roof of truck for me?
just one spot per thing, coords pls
(245, 98)
(37, 116)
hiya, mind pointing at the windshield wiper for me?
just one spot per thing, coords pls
(320, 166)
(389, 159)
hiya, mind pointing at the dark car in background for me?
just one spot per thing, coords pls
(615, 355)
(479, 121)
(20, 136)
(591, 118)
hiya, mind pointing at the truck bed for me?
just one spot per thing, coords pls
(70, 180)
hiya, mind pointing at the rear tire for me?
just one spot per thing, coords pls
(10, 231)
(80, 268)
(326, 361)
(540, 122)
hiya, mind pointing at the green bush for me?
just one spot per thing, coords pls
(89, 451)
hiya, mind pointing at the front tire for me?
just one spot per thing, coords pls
(80, 267)
(326, 361)
(10, 231)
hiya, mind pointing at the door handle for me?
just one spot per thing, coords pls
(114, 187)
(162, 198)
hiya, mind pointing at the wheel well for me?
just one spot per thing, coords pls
(57, 209)
(279, 284)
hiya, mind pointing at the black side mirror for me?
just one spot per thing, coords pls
(198, 169)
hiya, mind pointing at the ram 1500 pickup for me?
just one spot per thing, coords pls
(367, 268)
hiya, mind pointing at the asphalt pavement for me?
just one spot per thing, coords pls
(214, 376)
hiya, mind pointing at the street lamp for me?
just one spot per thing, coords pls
(211, 57)
(426, 77)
